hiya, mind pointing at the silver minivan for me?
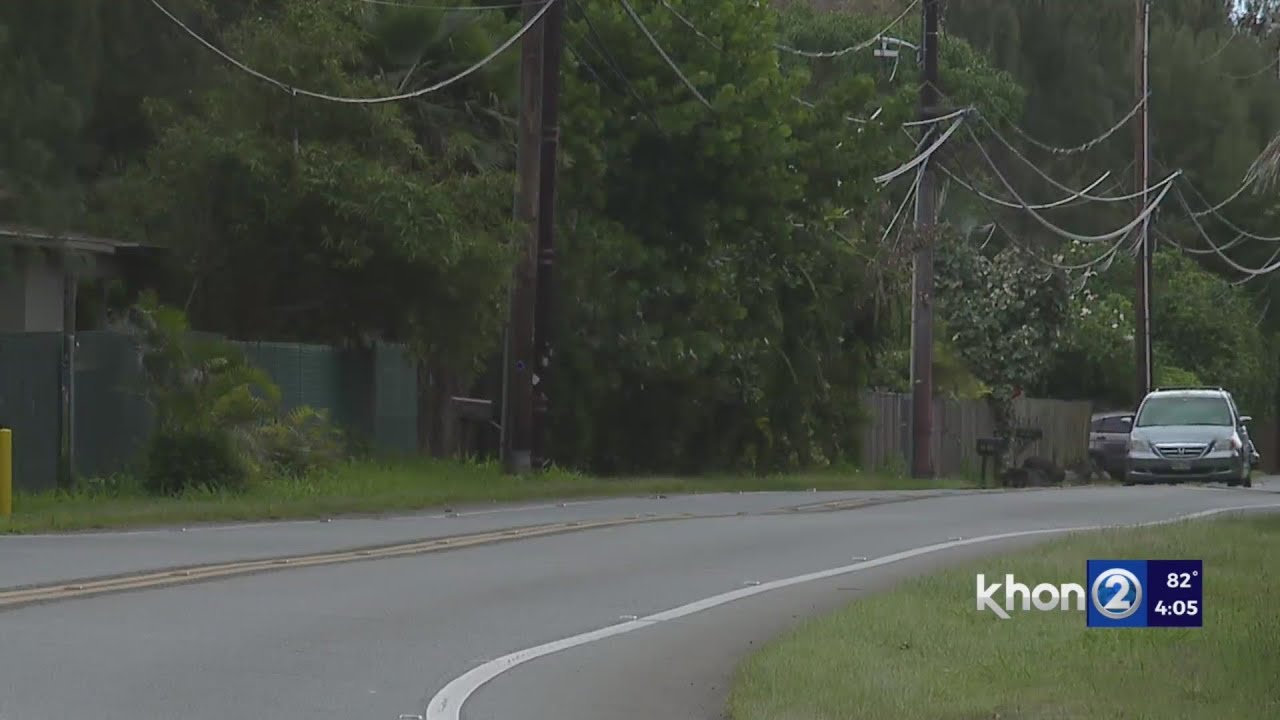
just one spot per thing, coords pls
(1189, 435)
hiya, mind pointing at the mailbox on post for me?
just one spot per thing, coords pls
(990, 447)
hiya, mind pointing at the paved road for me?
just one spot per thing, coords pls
(378, 639)
(38, 559)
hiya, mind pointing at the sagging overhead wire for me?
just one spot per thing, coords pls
(1270, 267)
(1072, 198)
(296, 91)
(1212, 210)
(1250, 179)
(927, 153)
(597, 43)
(444, 8)
(1105, 259)
(1211, 250)
(1055, 150)
(1229, 199)
(689, 24)
(1164, 186)
(938, 119)
(912, 193)
(1088, 145)
(635, 18)
(1096, 198)
(852, 48)
(1235, 32)
(684, 20)
(1269, 66)
(1165, 237)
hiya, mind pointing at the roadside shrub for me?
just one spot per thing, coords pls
(298, 444)
(217, 415)
(187, 459)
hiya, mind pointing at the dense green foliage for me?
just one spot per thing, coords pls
(218, 418)
(728, 279)
(1215, 101)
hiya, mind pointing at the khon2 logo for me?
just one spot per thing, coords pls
(1116, 594)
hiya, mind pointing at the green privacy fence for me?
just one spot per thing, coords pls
(371, 392)
(29, 405)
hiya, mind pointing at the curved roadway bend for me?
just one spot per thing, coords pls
(381, 638)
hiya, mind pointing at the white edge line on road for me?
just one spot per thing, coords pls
(447, 704)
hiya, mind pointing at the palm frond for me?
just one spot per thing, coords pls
(1266, 168)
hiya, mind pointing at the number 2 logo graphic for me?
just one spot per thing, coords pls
(1117, 606)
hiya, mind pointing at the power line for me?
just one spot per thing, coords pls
(296, 91)
(1105, 258)
(445, 8)
(852, 48)
(689, 24)
(1077, 149)
(1068, 200)
(1270, 267)
(1096, 198)
(1255, 73)
(597, 43)
(1202, 251)
(1054, 150)
(1223, 219)
(1164, 186)
(1235, 31)
(1229, 199)
(658, 46)
(923, 156)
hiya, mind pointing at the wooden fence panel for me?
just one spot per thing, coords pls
(886, 440)
(1065, 425)
(886, 435)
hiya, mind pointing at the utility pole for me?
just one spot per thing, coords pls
(518, 355)
(1142, 162)
(552, 49)
(922, 264)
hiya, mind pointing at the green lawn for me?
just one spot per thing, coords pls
(923, 652)
(380, 488)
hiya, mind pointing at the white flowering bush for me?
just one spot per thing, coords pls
(1004, 313)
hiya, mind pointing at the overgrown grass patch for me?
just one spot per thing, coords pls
(923, 652)
(373, 487)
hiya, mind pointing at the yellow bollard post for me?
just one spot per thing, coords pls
(6, 472)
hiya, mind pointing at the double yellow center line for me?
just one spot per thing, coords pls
(68, 590)
(184, 575)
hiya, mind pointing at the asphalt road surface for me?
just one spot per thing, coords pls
(432, 635)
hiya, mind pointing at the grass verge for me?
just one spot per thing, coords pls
(923, 651)
(370, 488)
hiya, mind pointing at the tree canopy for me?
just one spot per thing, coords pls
(730, 277)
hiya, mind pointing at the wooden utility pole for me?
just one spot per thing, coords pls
(922, 264)
(1142, 163)
(517, 400)
(552, 50)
